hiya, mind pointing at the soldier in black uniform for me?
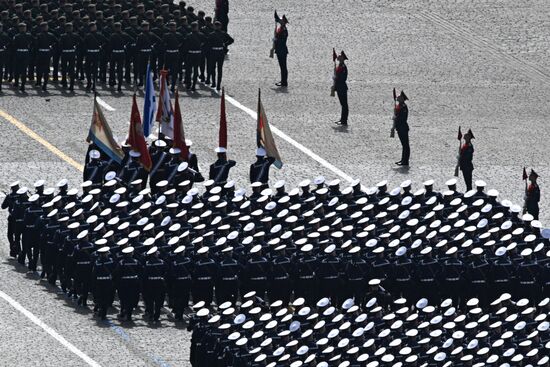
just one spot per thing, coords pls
(206, 28)
(154, 283)
(94, 169)
(172, 42)
(45, 43)
(92, 44)
(68, 45)
(533, 196)
(5, 44)
(281, 276)
(128, 283)
(204, 275)
(219, 170)
(259, 170)
(193, 46)
(132, 29)
(222, 13)
(82, 260)
(280, 48)
(465, 159)
(10, 203)
(227, 285)
(402, 127)
(103, 283)
(116, 46)
(31, 234)
(255, 272)
(21, 44)
(145, 43)
(180, 281)
(328, 274)
(341, 88)
(217, 43)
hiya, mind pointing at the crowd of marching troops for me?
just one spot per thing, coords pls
(318, 239)
(111, 42)
(508, 332)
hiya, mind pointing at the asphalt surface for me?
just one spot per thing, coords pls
(479, 65)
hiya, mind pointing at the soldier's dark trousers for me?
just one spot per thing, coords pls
(3, 68)
(216, 60)
(55, 64)
(284, 71)
(21, 63)
(67, 68)
(202, 291)
(82, 285)
(343, 98)
(155, 292)
(203, 65)
(128, 293)
(356, 289)
(103, 292)
(259, 286)
(306, 288)
(42, 67)
(103, 61)
(11, 236)
(406, 149)
(116, 67)
(92, 62)
(280, 290)
(533, 209)
(18, 229)
(192, 66)
(227, 290)
(171, 62)
(467, 174)
(129, 62)
(143, 58)
(30, 248)
(181, 289)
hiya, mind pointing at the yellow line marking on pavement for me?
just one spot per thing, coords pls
(52, 148)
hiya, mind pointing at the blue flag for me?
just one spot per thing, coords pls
(149, 104)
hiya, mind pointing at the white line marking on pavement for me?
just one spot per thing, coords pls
(323, 162)
(104, 104)
(49, 330)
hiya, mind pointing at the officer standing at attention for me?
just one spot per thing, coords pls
(279, 47)
(465, 159)
(533, 196)
(217, 42)
(93, 42)
(102, 277)
(117, 47)
(341, 88)
(172, 41)
(193, 46)
(45, 44)
(400, 123)
(68, 43)
(21, 45)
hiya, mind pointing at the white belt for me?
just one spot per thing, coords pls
(171, 51)
(307, 277)
(67, 51)
(258, 278)
(82, 263)
(194, 52)
(478, 281)
(155, 278)
(331, 277)
(204, 278)
(130, 277)
(230, 278)
(22, 50)
(103, 278)
(92, 51)
(145, 50)
(217, 48)
(281, 278)
(118, 51)
(44, 49)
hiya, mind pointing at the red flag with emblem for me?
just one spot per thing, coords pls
(222, 140)
(135, 136)
(179, 134)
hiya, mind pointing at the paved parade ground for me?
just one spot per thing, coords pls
(480, 65)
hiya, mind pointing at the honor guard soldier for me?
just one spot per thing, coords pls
(133, 170)
(31, 234)
(116, 46)
(180, 281)
(172, 42)
(92, 44)
(5, 44)
(9, 203)
(93, 170)
(227, 285)
(204, 275)
(532, 196)
(194, 42)
(280, 278)
(217, 43)
(219, 170)
(402, 127)
(68, 44)
(259, 170)
(128, 283)
(21, 45)
(222, 13)
(193, 162)
(341, 88)
(145, 43)
(159, 159)
(280, 48)
(102, 277)
(255, 272)
(154, 286)
(45, 43)
(465, 159)
(82, 262)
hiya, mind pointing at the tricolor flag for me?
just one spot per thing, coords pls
(149, 104)
(100, 133)
(135, 136)
(222, 138)
(179, 134)
(165, 113)
(264, 138)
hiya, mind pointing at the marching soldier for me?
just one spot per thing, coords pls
(31, 234)
(206, 28)
(68, 44)
(227, 286)
(402, 127)
(193, 45)
(21, 44)
(204, 275)
(46, 42)
(341, 88)
(255, 272)
(259, 170)
(180, 277)
(222, 13)
(128, 283)
(219, 170)
(533, 196)
(280, 48)
(94, 169)
(217, 43)
(10, 203)
(280, 279)
(133, 170)
(465, 159)
(102, 277)
(82, 260)
(154, 289)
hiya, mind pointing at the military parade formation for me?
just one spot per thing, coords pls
(327, 273)
(111, 43)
